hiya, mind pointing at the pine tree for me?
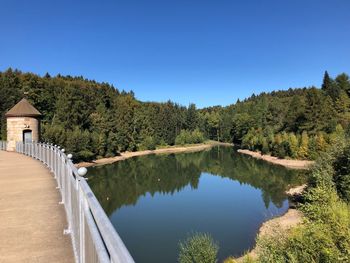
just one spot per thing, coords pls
(303, 151)
(321, 144)
(317, 114)
(191, 117)
(343, 83)
(329, 86)
(327, 81)
(265, 146)
(293, 145)
(295, 114)
(343, 109)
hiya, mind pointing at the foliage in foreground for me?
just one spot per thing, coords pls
(245, 259)
(325, 234)
(200, 248)
(325, 240)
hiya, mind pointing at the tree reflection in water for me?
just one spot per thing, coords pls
(124, 182)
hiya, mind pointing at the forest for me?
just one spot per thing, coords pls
(94, 120)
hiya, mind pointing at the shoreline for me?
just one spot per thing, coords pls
(288, 163)
(167, 150)
(285, 222)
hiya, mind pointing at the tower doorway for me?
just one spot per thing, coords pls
(27, 136)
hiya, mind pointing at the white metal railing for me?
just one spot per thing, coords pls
(3, 145)
(93, 236)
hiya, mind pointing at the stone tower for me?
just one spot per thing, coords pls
(23, 124)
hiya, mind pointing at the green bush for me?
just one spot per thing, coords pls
(309, 243)
(183, 137)
(188, 137)
(342, 174)
(148, 144)
(200, 248)
(197, 136)
(265, 147)
(283, 150)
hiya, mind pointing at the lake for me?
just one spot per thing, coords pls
(155, 201)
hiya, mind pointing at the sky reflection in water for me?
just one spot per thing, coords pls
(156, 200)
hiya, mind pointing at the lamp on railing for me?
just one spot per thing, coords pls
(82, 171)
(69, 156)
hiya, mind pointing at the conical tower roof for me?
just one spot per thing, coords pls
(23, 109)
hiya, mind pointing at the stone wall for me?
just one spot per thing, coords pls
(15, 128)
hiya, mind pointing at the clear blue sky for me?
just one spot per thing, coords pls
(206, 52)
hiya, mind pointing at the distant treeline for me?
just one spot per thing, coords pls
(95, 120)
(298, 123)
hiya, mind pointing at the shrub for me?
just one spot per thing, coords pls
(230, 260)
(197, 136)
(245, 259)
(183, 137)
(342, 174)
(265, 146)
(148, 144)
(200, 248)
(283, 150)
(188, 137)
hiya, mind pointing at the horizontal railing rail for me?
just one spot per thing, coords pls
(93, 236)
(3, 145)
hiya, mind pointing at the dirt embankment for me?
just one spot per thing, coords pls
(293, 164)
(283, 223)
(173, 149)
(280, 224)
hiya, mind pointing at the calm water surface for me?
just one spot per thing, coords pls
(156, 200)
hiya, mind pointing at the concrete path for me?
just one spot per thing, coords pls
(31, 219)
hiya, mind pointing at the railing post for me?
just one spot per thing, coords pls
(81, 225)
(51, 157)
(82, 203)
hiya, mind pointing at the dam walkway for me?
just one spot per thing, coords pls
(31, 219)
(48, 212)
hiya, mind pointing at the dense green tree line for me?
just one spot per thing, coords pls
(95, 120)
(297, 146)
(298, 123)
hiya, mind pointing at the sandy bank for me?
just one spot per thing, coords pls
(293, 164)
(295, 191)
(172, 149)
(283, 223)
(279, 224)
